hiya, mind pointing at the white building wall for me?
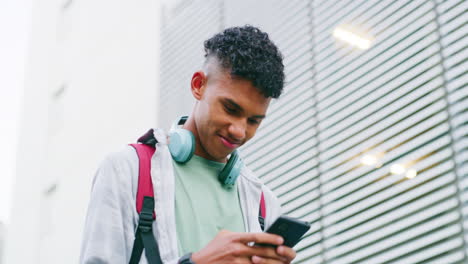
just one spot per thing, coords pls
(91, 88)
(2, 241)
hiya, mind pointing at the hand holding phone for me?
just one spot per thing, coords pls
(289, 228)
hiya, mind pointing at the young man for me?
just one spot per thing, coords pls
(197, 217)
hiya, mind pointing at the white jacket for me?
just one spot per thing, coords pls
(112, 217)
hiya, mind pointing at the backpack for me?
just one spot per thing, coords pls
(144, 238)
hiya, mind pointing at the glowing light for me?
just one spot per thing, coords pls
(350, 36)
(373, 159)
(411, 173)
(397, 169)
(369, 160)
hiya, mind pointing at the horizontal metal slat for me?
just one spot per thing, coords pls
(452, 32)
(293, 179)
(443, 5)
(455, 256)
(457, 57)
(356, 199)
(447, 14)
(296, 128)
(302, 62)
(289, 159)
(386, 97)
(349, 171)
(457, 71)
(412, 34)
(331, 139)
(325, 16)
(349, 75)
(349, 217)
(367, 14)
(284, 24)
(424, 233)
(186, 26)
(426, 206)
(376, 183)
(341, 244)
(279, 128)
(379, 26)
(387, 148)
(412, 246)
(386, 137)
(301, 205)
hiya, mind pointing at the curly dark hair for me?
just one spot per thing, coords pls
(248, 53)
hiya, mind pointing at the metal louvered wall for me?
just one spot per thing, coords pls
(404, 102)
(452, 24)
(185, 26)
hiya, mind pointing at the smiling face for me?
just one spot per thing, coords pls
(227, 113)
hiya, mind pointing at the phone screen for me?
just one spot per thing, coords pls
(289, 228)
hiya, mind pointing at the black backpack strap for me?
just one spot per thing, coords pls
(144, 236)
(148, 138)
(261, 220)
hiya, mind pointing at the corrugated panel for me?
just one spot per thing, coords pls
(453, 28)
(284, 151)
(404, 101)
(184, 29)
(387, 101)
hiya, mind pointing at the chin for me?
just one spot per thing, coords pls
(222, 157)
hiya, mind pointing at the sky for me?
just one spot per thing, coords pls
(14, 37)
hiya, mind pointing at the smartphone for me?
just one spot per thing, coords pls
(289, 228)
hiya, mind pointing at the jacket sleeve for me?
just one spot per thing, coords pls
(109, 228)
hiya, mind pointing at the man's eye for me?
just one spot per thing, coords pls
(253, 121)
(230, 110)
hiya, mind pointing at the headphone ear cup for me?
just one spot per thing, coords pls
(231, 170)
(181, 145)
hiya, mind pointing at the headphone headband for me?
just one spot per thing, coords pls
(180, 121)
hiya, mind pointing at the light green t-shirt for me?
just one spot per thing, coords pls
(203, 206)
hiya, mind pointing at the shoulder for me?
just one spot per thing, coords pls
(249, 176)
(123, 159)
(251, 179)
(118, 168)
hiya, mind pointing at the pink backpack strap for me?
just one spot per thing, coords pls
(262, 206)
(144, 238)
(262, 212)
(145, 185)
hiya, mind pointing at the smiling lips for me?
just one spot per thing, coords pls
(229, 144)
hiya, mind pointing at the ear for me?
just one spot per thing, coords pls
(198, 84)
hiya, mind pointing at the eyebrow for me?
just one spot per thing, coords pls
(238, 107)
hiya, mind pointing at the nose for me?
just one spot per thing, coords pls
(237, 130)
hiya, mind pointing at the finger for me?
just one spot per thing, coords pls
(286, 252)
(224, 232)
(260, 260)
(263, 238)
(245, 260)
(265, 252)
(240, 250)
